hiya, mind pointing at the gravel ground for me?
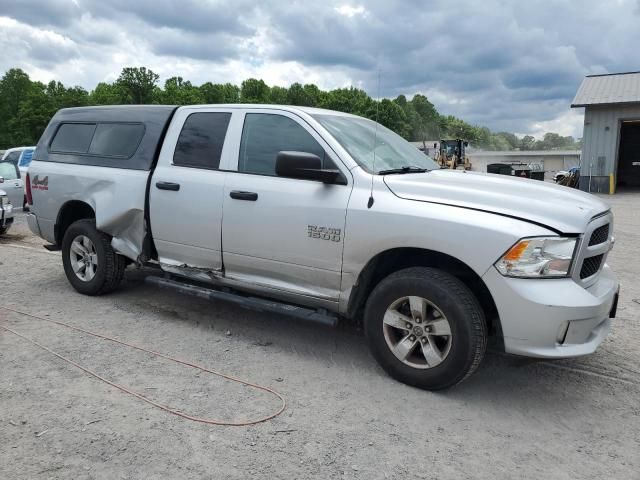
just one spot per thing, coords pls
(515, 418)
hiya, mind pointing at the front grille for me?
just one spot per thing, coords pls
(590, 266)
(599, 235)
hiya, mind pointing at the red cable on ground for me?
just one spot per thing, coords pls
(166, 357)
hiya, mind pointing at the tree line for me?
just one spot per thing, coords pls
(26, 106)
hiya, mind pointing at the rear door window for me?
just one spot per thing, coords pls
(265, 135)
(201, 140)
(73, 138)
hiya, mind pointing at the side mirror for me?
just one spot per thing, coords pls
(306, 166)
(1, 179)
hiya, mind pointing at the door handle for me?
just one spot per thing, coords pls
(168, 186)
(239, 195)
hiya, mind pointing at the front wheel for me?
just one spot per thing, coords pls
(425, 328)
(90, 263)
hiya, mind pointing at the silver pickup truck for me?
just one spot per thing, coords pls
(327, 215)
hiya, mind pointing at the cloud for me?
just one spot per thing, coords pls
(350, 11)
(507, 65)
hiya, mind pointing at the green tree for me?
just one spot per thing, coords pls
(426, 123)
(254, 91)
(137, 84)
(527, 142)
(297, 95)
(36, 109)
(511, 139)
(220, 93)
(350, 100)
(26, 107)
(315, 96)
(15, 85)
(179, 92)
(106, 94)
(391, 115)
(279, 95)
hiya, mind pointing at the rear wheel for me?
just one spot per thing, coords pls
(425, 328)
(90, 263)
(4, 230)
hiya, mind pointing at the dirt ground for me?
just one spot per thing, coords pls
(515, 418)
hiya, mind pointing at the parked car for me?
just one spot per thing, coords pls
(569, 178)
(12, 184)
(20, 156)
(326, 213)
(6, 213)
(25, 160)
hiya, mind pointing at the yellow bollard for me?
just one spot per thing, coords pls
(612, 185)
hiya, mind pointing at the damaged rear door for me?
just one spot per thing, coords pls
(186, 193)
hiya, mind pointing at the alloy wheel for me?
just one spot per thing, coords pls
(417, 332)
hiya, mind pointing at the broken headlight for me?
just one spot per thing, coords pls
(540, 257)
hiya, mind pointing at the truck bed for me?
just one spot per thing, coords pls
(104, 156)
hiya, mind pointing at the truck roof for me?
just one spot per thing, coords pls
(124, 136)
(289, 108)
(151, 108)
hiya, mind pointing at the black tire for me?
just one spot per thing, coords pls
(459, 306)
(4, 230)
(111, 266)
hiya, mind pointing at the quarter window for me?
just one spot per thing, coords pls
(73, 138)
(99, 139)
(201, 140)
(265, 134)
(116, 139)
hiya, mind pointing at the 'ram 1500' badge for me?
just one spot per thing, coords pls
(324, 233)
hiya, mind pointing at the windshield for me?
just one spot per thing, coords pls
(356, 135)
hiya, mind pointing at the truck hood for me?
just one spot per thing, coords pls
(563, 209)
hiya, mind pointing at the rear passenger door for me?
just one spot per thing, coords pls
(186, 193)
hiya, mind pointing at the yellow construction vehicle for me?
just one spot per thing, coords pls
(451, 154)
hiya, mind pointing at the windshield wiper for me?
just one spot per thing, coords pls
(401, 170)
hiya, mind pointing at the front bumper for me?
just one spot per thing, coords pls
(6, 215)
(553, 318)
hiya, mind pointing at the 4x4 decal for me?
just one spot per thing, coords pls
(37, 184)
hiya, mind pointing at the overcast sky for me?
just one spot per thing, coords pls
(509, 65)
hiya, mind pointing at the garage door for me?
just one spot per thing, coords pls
(629, 158)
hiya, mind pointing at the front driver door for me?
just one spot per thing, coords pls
(283, 234)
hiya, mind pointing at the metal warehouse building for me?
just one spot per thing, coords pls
(611, 138)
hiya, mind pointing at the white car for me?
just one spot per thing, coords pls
(20, 156)
(12, 184)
